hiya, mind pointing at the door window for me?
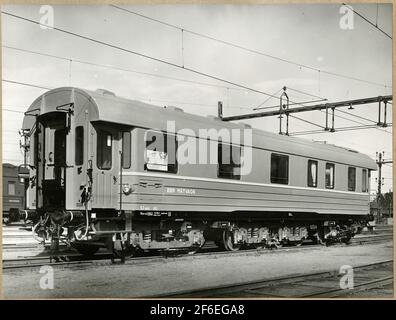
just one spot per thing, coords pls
(79, 158)
(351, 179)
(126, 150)
(104, 150)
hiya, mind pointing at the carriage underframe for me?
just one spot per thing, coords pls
(128, 233)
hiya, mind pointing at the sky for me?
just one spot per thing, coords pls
(309, 35)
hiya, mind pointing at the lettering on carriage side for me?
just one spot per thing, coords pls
(186, 191)
(148, 208)
(143, 207)
(180, 177)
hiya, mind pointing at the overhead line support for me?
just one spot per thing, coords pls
(321, 106)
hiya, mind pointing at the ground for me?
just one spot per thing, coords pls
(143, 279)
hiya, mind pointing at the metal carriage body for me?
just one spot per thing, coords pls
(93, 173)
(14, 198)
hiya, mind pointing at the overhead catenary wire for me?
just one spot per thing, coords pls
(158, 76)
(367, 20)
(300, 65)
(146, 56)
(336, 130)
(266, 100)
(186, 103)
(354, 121)
(360, 117)
(306, 121)
(140, 54)
(302, 103)
(26, 84)
(306, 93)
(136, 98)
(120, 69)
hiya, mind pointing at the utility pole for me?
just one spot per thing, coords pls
(25, 146)
(380, 161)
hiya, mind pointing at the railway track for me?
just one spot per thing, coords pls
(314, 285)
(70, 258)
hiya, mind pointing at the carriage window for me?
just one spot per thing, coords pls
(330, 168)
(126, 150)
(229, 161)
(364, 181)
(79, 157)
(351, 179)
(312, 173)
(11, 188)
(161, 152)
(104, 150)
(279, 168)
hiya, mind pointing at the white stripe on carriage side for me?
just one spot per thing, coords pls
(220, 180)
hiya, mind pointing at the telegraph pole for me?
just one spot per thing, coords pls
(25, 145)
(380, 161)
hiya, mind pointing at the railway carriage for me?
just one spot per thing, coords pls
(13, 192)
(107, 171)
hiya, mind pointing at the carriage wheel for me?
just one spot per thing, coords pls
(228, 241)
(195, 248)
(319, 238)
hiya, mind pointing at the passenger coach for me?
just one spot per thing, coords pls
(105, 171)
(13, 192)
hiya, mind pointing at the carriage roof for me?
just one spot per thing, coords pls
(106, 107)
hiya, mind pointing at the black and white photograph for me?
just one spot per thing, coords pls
(181, 150)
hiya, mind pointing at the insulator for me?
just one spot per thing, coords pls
(255, 233)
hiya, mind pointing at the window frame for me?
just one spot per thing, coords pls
(106, 134)
(364, 180)
(287, 171)
(13, 183)
(332, 165)
(79, 148)
(352, 169)
(223, 174)
(171, 168)
(308, 173)
(129, 158)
